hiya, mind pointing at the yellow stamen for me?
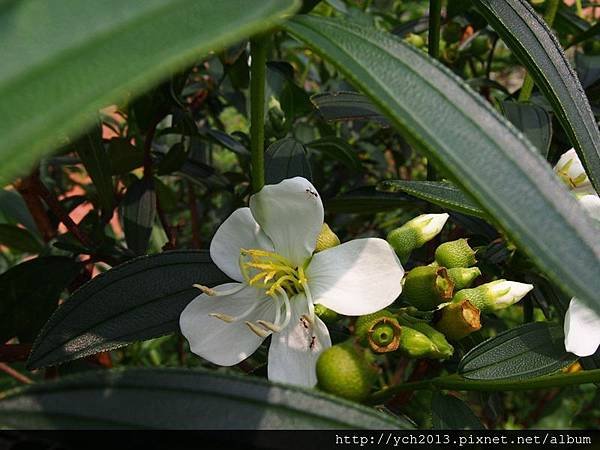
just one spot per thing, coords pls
(270, 271)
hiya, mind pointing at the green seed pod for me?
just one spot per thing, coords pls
(458, 320)
(455, 254)
(480, 45)
(344, 370)
(452, 32)
(384, 335)
(425, 287)
(364, 323)
(415, 39)
(414, 233)
(326, 239)
(326, 315)
(463, 277)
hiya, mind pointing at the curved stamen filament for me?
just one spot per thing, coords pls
(287, 308)
(307, 293)
(230, 319)
(214, 293)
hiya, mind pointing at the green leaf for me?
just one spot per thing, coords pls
(124, 157)
(347, 106)
(593, 31)
(533, 121)
(465, 137)
(338, 149)
(181, 399)
(29, 292)
(96, 161)
(75, 58)
(20, 239)
(139, 211)
(286, 158)
(530, 39)
(527, 351)
(588, 68)
(141, 299)
(451, 413)
(442, 194)
(367, 200)
(173, 160)
(13, 205)
(226, 141)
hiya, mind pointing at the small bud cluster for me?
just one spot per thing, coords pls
(445, 304)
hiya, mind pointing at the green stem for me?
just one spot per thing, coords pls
(435, 21)
(549, 16)
(458, 383)
(433, 45)
(258, 50)
(579, 7)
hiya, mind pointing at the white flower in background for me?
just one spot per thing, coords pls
(268, 250)
(582, 328)
(582, 322)
(571, 172)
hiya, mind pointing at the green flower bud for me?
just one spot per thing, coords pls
(344, 370)
(326, 239)
(426, 287)
(364, 323)
(455, 254)
(463, 277)
(494, 296)
(415, 39)
(443, 349)
(416, 232)
(325, 314)
(458, 320)
(416, 344)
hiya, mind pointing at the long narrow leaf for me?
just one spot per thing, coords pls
(61, 63)
(181, 399)
(478, 148)
(539, 51)
(439, 193)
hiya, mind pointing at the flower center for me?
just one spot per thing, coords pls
(271, 271)
(563, 173)
(280, 279)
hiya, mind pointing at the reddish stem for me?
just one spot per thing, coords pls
(13, 373)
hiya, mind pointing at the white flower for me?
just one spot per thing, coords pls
(503, 293)
(582, 328)
(591, 203)
(268, 250)
(571, 172)
(582, 322)
(427, 226)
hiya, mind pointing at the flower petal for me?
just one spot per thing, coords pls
(294, 351)
(355, 278)
(572, 172)
(591, 203)
(582, 329)
(239, 230)
(220, 342)
(291, 214)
